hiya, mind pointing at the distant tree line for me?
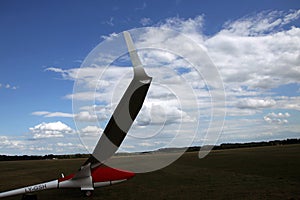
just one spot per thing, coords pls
(190, 149)
(249, 144)
(257, 144)
(45, 157)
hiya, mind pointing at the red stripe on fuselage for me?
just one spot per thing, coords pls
(104, 173)
(66, 178)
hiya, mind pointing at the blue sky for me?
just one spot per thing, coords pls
(39, 37)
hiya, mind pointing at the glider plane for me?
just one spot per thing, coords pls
(94, 173)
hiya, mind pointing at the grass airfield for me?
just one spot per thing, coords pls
(245, 173)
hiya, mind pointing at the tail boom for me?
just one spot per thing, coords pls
(30, 189)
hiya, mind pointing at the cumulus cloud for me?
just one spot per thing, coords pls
(254, 55)
(192, 26)
(84, 116)
(292, 103)
(91, 131)
(109, 22)
(54, 69)
(279, 115)
(162, 113)
(50, 130)
(262, 23)
(52, 114)
(277, 118)
(146, 144)
(245, 59)
(255, 103)
(69, 146)
(257, 61)
(8, 86)
(145, 21)
(8, 143)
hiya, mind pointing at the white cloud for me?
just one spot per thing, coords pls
(41, 149)
(52, 114)
(146, 144)
(8, 86)
(279, 115)
(109, 37)
(109, 22)
(91, 131)
(50, 130)
(254, 129)
(59, 114)
(69, 145)
(254, 55)
(192, 26)
(262, 62)
(85, 116)
(22, 145)
(64, 144)
(10, 143)
(255, 103)
(292, 103)
(145, 21)
(162, 113)
(277, 118)
(54, 69)
(262, 23)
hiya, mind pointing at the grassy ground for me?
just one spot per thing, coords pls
(250, 173)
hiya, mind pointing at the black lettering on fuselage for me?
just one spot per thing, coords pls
(35, 188)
